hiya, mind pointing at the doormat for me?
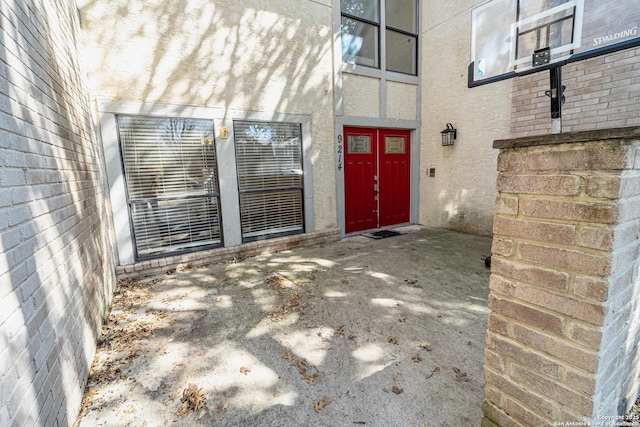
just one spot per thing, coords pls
(383, 234)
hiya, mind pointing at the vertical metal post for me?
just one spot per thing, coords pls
(555, 80)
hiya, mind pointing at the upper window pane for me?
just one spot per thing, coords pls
(402, 15)
(365, 9)
(359, 42)
(167, 156)
(269, 155)
(401, 53)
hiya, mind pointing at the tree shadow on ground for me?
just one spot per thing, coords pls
(267, 338)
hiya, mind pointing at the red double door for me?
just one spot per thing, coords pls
(376, 178)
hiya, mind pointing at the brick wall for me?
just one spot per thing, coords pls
(602, 92)
(56, 265)
(562, 341)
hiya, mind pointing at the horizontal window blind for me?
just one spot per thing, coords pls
(172, 183)
(175, 225)
(270, 181)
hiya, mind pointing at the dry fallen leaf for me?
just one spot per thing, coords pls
(222, 407)
(412, 421)
(287, 355)
(402, 319)
(392, 339)
(186, 267)
(416, 358)
(193, 399)
(305, 370)
(245, 370)
(434, 371)
(426, 347)
(468, 342)
(460, 376)
(319, 406)
(397, 390)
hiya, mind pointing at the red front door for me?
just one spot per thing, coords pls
(360, 171)
(394, 175)
(377, 179)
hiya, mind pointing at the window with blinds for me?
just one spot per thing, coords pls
(269, 161)
(171, 183)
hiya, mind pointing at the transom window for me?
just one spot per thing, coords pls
(362, 36)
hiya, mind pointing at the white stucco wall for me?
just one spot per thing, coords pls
(402, 100)
(462, 194)
(269, 56)
(360, 95)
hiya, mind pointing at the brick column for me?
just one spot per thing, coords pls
(562, 340)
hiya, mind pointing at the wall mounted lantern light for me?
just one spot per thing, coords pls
(449, 135)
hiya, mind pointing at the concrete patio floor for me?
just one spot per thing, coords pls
(386, 332)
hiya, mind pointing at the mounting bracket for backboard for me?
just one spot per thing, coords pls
(541, 57)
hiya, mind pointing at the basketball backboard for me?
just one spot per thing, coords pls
(515, 37)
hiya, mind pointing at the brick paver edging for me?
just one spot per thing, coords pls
(160, 265)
